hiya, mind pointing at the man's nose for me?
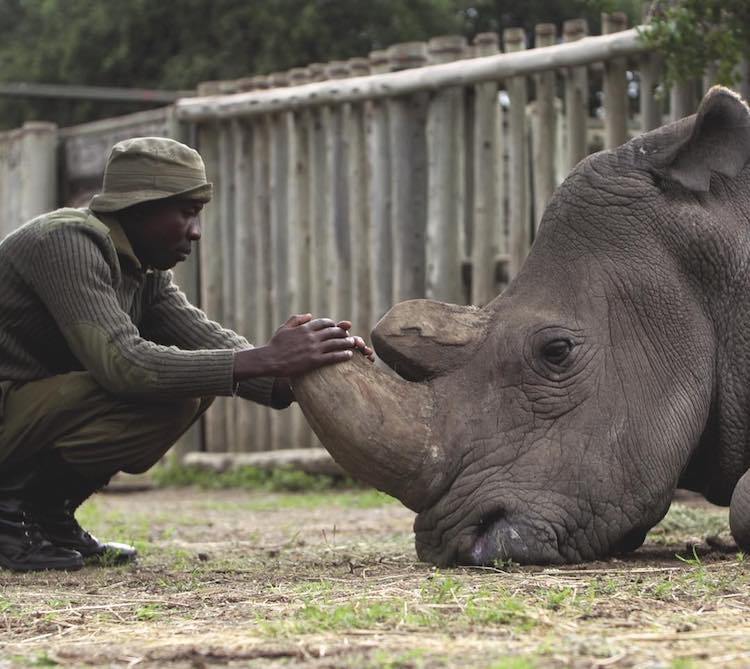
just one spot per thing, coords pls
(194, 231)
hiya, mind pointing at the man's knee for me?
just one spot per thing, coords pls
(170, 422)
(132, 436)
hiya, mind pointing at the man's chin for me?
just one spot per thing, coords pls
(164, 266)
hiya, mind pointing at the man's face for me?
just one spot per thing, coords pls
(162, 232)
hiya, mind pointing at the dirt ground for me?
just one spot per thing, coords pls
(245, 579)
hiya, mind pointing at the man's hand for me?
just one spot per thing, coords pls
(300, 345)
(359, 343)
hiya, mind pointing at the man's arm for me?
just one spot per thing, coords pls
(260, 372)
(170, 319)
(70, 274)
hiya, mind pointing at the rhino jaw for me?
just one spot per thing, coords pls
(377, 427)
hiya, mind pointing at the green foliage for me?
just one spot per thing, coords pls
(177, 44)
(515, 663)
(276, 480)
(696, 34)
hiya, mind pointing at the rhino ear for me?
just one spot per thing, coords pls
(719, 142)
(421, 339)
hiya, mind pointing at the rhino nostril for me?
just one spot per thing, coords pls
(498, 539)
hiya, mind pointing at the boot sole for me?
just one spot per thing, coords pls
(56, 565)
(107, 559)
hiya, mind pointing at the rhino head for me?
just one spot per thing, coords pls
(554, 424)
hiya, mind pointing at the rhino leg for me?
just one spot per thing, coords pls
(739, 513)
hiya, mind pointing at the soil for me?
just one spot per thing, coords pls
(247, 579)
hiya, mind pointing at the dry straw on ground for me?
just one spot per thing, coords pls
(241, 579)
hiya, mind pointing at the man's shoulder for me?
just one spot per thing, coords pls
(67, 226)
(68, 218)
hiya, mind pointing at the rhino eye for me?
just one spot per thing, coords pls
(556, 351)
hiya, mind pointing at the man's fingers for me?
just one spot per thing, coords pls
(322, 323)
(338, 356)
(296, 320)
(333, 333)
(337, 345)
(345, 325)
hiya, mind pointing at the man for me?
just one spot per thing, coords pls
(104, 363)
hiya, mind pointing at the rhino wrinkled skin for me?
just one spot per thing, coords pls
(554, 424)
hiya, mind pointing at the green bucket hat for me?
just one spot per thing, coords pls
(150, 168)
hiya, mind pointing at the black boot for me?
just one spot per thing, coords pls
(22, 545)
(54, 505)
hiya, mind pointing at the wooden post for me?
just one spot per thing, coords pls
(259, 278)
(379, 198)
(408, 149)
(38, 168)
(339, 241)
(260, 83)
(301, 207)
(543, 129)
(301, 221)
(445, 181)
(7, 222)
(488, 238)
(744, 74)
(226, 223)
(319, 198)
(359, 211)
(615, 87)
(212, 279)
(317, 72)
(281, 240)
(576, 97)
(710, 76)
(651, 107)
(244, 296)
(682, 99)
(520, 232)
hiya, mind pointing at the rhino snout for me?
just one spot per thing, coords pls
(502, 538)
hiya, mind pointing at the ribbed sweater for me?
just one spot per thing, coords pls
(73, 297)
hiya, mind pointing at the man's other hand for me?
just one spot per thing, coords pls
(300, 345)
(359, 345)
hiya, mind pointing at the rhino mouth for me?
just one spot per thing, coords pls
(488, 538)
(501, 539)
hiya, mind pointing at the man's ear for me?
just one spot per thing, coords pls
(719, 142)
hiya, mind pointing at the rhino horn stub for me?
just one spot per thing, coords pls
(377, 427)
(421, 339)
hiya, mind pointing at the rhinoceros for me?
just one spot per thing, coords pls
(554, 424)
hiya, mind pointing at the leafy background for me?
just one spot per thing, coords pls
(177, 44)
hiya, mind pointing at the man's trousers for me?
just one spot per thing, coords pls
(97, 433)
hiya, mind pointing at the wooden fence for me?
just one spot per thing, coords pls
(421, 171)
(344, 188)
(28, 173)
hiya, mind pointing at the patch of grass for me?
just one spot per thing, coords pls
(515, 663)
(504, 611)
(359, 614)
(148, 612)
(366, 498)
(413, 659)
(556, 598)
(682, 521)
(682, 663)
(252, 478)
(440, 589)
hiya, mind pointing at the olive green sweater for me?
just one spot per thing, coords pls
(74, 297)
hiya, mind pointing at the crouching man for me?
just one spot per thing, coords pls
(103, 361)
